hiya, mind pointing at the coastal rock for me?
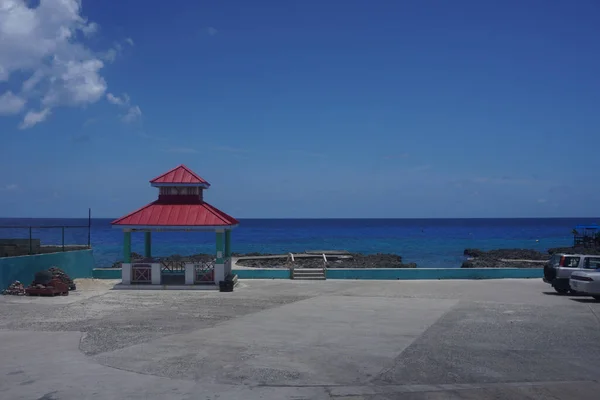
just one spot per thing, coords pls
(349, 260)
(575, 250)
(497, 258)
(57, 273)
(346, 260)
(15, 289)
(496, 263)
(507, 254)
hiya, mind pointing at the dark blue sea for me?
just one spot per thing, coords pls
(431, 243)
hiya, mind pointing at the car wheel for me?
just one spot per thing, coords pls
(561, 290)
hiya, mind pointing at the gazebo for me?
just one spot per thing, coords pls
(180, 207)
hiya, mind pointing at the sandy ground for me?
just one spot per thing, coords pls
(270, 339)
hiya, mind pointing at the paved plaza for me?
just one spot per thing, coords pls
(279, 339)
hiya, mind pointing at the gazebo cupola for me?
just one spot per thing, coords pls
(180, 186)
(180, 207)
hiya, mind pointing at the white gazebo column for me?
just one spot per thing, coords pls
(126, 264)
(227, 252)
(189, 273)
(156, 275)
(219, 263)
(126, 273)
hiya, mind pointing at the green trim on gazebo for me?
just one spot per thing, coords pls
(228, 243)
(127, 247)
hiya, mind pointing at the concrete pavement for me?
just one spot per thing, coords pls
(501, 339)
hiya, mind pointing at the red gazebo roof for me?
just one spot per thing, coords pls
(184, 209)
(179, 175)
(185, 215)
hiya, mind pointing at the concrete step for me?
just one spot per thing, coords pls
(309, 278)
(308, 274)
(308, 269)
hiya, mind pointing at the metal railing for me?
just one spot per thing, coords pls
(204, 272)
(141, 273)
(18, 240)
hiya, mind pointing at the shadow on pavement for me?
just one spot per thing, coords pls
(565, 294)
(586, 300)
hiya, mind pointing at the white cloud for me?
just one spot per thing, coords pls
(46, 43)
(34, 117)
(119, 101)
(10, 187)
(133, 114)
(542, 201)
(109, 55)
(211, 31)
(90, 29)
(10, 103)
(80, 84)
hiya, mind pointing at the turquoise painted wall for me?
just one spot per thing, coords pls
(435, 273)
(279, 273)
(402, 273)
(107, 273)
(375, 273)
(77, 264)
(115, 273)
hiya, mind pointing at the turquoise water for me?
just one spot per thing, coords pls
(431, 243)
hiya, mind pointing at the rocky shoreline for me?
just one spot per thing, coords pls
(476, 258)
(349, 260)
(345, 260)
(521, 258)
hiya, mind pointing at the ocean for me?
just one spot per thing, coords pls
(431, 243)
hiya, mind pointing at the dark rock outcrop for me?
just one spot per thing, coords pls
(351, 260)
(507, 254)
(496, 258)
(575, 250)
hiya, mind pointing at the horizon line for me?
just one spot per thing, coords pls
(333, 218)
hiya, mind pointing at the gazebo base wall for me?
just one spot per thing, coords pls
(190, 272)
(126, 273)
(150, 274)
(219, 273)
(140, 273)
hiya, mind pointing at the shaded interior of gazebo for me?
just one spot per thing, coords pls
(180, 207)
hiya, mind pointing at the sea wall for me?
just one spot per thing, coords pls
(77, 264)
(373, 273)
(262, 273)
(435, 273)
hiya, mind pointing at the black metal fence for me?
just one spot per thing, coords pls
(22, 239)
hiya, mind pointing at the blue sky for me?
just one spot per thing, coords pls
(302, 109)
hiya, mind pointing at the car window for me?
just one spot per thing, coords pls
(571, 262)
(555, 260)
(592, 263)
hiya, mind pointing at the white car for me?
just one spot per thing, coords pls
(558, 270)
(586, 282)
